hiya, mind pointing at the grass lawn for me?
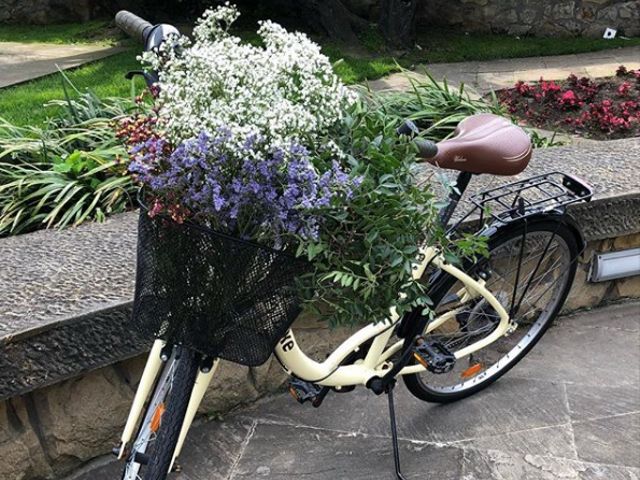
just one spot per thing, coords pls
(22, 104)
(90, 32)
(444, 46)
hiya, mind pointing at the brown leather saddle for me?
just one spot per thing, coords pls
(485, 143)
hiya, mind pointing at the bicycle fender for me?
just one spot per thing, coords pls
(496, 227)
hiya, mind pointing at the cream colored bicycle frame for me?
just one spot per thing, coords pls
(330, 373)
(377, 361)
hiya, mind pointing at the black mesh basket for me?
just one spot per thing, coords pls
(216, 294)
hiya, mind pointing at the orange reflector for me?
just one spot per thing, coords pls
(157, 416)
(472, 371)
(293, 392)
(421, 360)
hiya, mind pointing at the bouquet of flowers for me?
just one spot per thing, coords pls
(264, 143)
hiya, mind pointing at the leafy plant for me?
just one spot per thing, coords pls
(542, 141)
(81, 186)
(366, 249)
(67, 172)
(434, 106)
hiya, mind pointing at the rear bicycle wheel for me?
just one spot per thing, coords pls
(152, 450)
(545, 260)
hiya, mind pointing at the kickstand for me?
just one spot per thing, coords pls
(394, 431)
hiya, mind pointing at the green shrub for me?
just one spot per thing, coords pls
(435, 107)
(365, 252)
(67, 172)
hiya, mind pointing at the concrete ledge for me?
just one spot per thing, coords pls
(69, 363)
(67, 294)
(67, 347)
(608, 217)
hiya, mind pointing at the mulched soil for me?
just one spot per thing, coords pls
(602, 109)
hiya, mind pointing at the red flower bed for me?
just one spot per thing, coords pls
(603, 109)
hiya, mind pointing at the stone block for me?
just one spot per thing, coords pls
(231, 386)
(628, 287)
(519, 29)
(629, 10)
(609, 14)
(563, 9)
(528, 16)
(505, 18)
(586, 17)
(82, 417)
(480, 3)
(20, 450)
(626, 241)
(584, 294)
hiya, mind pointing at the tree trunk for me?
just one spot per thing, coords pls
(398, 23)
(333, 18)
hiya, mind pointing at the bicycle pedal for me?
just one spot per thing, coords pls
(434, 356)
(303, 391)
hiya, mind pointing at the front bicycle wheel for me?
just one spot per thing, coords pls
(151, 453)
(530, 270)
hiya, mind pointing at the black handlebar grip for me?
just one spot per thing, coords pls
(133, 25)
(426, 149)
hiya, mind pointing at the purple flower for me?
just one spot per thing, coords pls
(254, 192)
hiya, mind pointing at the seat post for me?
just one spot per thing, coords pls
(462, 182)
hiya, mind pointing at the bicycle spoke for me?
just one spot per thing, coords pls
(528, 268)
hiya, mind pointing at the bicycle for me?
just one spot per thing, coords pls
(489, 313)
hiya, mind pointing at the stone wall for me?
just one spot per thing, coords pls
(47, 433)
(535, 17)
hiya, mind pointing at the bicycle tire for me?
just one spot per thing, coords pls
(177, 378)
(173, 417)
(415, 382)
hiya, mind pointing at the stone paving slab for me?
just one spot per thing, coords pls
(532, 424)
(497, 74)
(20, 62)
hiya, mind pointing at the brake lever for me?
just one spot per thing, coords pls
(149, 78)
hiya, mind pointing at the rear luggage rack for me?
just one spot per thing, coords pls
(531, 196)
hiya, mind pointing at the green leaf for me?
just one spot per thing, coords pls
(62, 168)
(452, 258)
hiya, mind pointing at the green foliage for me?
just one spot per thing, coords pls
(67, 172)
(543, 141)
(435, 107)
(352, 70)
(23, 104)
(367, 247)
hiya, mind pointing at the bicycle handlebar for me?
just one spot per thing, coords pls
(134, 26)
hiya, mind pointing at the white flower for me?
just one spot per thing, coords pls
(285, 91)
